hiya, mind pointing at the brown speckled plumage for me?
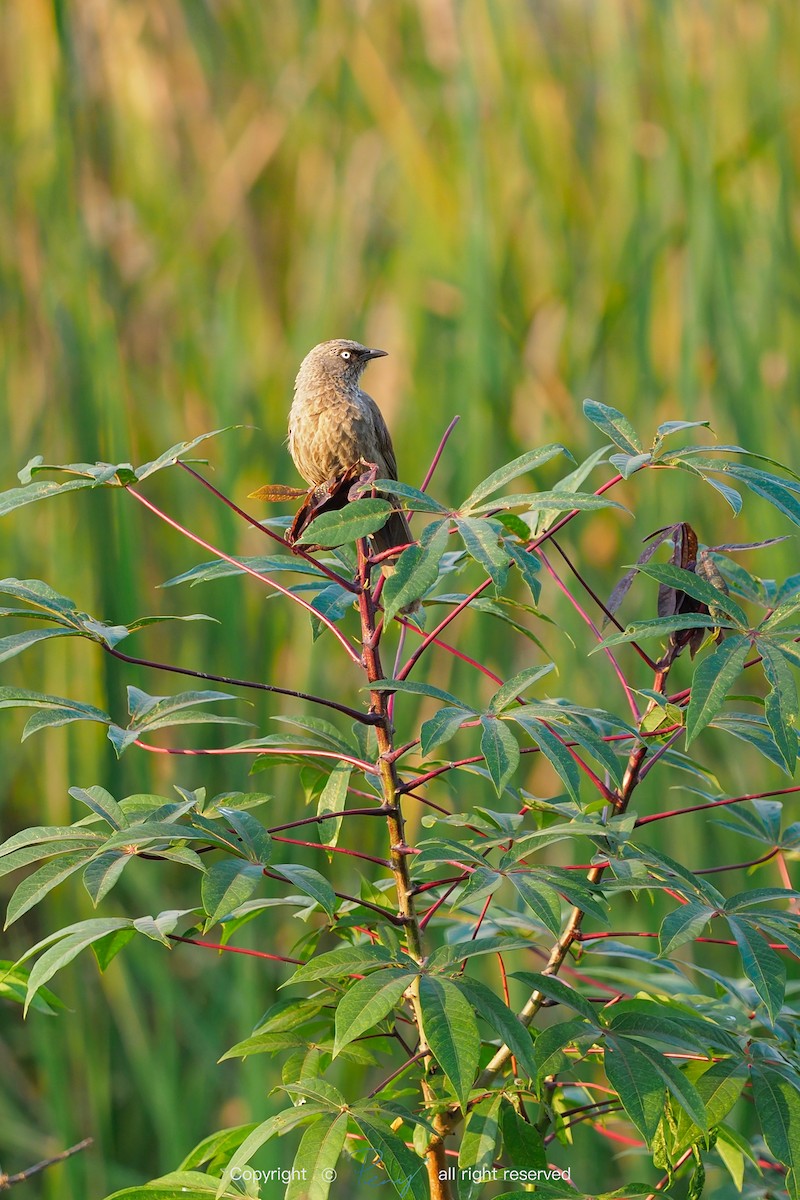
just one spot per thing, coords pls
(333, 425)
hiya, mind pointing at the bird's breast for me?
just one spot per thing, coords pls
(328, 433)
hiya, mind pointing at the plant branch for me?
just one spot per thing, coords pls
(296, 550)
(8, 1181)
(193, 537)
(354, 714)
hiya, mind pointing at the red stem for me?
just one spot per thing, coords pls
(337, 633)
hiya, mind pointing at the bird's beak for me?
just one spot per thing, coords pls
(375, 354)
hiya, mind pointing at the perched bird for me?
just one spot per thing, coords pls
(333, 425)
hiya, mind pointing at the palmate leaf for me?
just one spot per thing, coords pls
(91, 474)
(149, 713)
(520, 466)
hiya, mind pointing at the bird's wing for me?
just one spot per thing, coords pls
(384, 440)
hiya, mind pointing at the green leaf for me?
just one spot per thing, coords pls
(712, 681)
(762, 965)
(416, 689)
(450, 1030)
(217, 1147)
(660, 627)
(333, 800)
(405, 1170)
(550, 1046)
(367, 1002)
(555, 752)
(777, 1103)
(356, 520)
(441, 727)
(226, 885)
(317, 1155)
(256, 842)
(500, 749)
(70, 942)
(555, 989)
(780, 707)
(522, 1142)
(508, 693)
(53, 710)
(417, 501)
(347, 960)
(455, 952)
(281, 1123)
(614, 425)
(484, 541)
(719, 1086)
(36, 886)
(189, 1185)
(779, 492)
(170, 457)
(323, 733)
(162, 712)
(506, 1024)
(667, 428)
(15, 643)
(697, 587)
(220, 568)
(629, 464)
(103, 803)
(529, 568)
(416, 570)
(542, 900)
(638, 1085)
(682, 925)
(103, 872)
(479, 1140)
(311, 883)
(17, 497)
(554, 502)
(513, 470)
(571, 483)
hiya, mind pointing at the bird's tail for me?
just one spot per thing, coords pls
(395, 533)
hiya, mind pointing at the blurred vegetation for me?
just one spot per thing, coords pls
(525, 203)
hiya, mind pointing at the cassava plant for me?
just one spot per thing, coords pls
(456, 1013)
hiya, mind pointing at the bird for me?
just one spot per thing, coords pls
(333, 425)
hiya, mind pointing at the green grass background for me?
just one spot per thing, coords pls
(524, 203)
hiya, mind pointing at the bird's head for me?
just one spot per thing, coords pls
(339, 361)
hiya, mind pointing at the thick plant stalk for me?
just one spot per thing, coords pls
(379, 705)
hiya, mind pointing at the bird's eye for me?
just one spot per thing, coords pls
(345, 353)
